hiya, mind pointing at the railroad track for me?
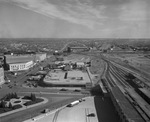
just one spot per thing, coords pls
(120, 72)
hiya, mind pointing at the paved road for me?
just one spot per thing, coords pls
(32, 112)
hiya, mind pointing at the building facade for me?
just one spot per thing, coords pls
(1, 75)
(20, 66)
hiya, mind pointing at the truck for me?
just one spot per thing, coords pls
(73, 103)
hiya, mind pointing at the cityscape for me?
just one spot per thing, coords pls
(74, 61)
(95, 77)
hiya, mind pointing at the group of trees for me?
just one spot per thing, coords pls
(10, 96)
(6, 104)
(3, 104)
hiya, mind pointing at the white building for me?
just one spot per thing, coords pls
(20, 66)
(1, 76)
(80, 64)
(21, 62)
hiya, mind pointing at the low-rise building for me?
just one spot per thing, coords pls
(21, 62)
(80, 64)
(20, 66)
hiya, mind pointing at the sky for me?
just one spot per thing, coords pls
(74, 18)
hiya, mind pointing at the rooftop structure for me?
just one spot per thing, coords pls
(124, 108)
(73, 78)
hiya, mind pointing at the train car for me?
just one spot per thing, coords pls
(73, 103)
(145, 94)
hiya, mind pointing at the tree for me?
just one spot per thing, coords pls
(10, 105)
(8, 97)
(3, 104)
(33, 98)
(12, 95)
(68, 49)
(15, 95)
(0, 104)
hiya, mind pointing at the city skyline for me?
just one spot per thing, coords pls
(74, 19)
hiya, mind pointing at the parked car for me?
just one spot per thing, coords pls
(63, 89)
(91, 115)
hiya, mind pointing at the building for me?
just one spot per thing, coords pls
(18, 66)
(80, 64)
(1, 75)
(19, 62)
(59, 78)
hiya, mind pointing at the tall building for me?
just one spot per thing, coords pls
(1, 75)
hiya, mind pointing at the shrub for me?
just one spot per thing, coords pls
(33, 102)
(26, 97)
(3, 110)
(17, 101)
(3, 104)
(17, 106)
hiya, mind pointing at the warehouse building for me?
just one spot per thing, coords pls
(18, 63)
(18, 66)
(22, 62)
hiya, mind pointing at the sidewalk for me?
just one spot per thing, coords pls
(24, 107)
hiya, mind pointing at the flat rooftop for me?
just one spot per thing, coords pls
(145, 91)
(10, 59)
(74, 77)
(77, 113)
(125, 106)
